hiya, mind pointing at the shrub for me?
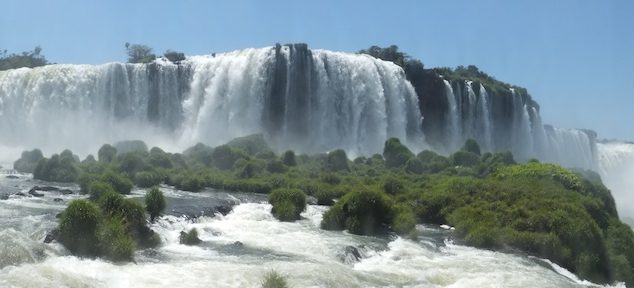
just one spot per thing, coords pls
(464, 158)
(224, 157)
(190, 182)
(57, 169)
(28, 161)
(337, 161)
(111, 203)
(252, 144)
(361, 212)
(154, 202)
(106, 153)
(275, 166)
(131, 162)
(115, 241)
(189, 238)
(99, 188)
(395, 153)
(414, 165)
(78, 227)
(158, 158)
(287, 203)
(146, 179)
(404, 221)
(472, 146)
(130, 146)
(119, 182)
(392, 186)
(289, 158)
(200, 153)
(273, 279)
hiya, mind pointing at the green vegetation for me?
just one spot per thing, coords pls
(138, 53)
(273, 279)
(395, 153)
(154, 203)
(59, 168)
(28, 162)
(540, 209)
(189, 238)
(28, 59)
(287, 203)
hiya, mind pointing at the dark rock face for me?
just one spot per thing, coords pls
(351, 254)
(194, 208)
(20, 194)
(50, 236)
(34, 193)
(12, 177)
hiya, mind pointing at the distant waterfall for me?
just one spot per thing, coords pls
(454, 131)
(313, 100)
(616, 161)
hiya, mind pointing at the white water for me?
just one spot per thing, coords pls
(617, 172)
(307, 255)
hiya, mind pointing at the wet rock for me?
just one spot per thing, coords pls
(50, 236)
(224, 209)
(66, 191)
(45, 188)
(35, 193)
(20, 194)
(58, 215)
(12, 177)
(351, 255)
(238, 244)
(58, 200)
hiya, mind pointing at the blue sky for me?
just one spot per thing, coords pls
(575, 57)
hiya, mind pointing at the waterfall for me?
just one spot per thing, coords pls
(616, 167)
(485, 120)
(453, 118)
(313, 100)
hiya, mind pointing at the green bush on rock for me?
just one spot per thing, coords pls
(78, 228)
(360, 212)
(115, 241)
(288, 204)
(395, 153)
(28, 161)
(189, 238)
(154, 203)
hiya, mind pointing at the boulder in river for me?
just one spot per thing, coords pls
(189, 238)
(33, 192)
(50, 236)
(12, 177)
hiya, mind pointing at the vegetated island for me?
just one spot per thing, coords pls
(540, 209)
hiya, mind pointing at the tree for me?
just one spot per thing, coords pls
(28, 59)
(106, 153)
(138, 53)
(174, 56)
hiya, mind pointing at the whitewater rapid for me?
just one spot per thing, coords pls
(240, 248)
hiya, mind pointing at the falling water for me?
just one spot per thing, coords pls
(314, 100)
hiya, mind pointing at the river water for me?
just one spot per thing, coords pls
(240, 247)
